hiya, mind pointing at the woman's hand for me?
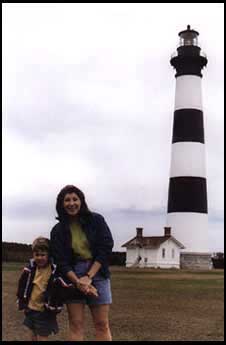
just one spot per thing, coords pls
(84, 285)
(92, 291)
(85, 280)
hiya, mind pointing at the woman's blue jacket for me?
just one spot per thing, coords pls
(98, 235)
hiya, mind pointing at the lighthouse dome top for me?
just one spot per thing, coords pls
(188, 37)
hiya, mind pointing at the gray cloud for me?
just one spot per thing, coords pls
(21, 217)
(95, 108)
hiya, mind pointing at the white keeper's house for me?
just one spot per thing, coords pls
(154, 251)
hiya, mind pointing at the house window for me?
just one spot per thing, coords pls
(163, 252)
(145, 260)
(173, 253)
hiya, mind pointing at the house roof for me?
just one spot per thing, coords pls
(150, 242)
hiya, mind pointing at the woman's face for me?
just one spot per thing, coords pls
(72, 204)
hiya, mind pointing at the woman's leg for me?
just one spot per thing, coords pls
(76, 321)
(32, 336)
(100, 319)
(41, 338)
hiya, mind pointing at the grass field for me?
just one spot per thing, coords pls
(148, 304)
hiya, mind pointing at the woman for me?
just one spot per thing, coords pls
(80, 245)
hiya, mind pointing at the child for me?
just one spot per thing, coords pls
(37, 294)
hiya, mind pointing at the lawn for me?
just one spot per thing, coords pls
(148, 304)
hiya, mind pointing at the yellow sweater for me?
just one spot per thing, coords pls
(80, 244)
(40, 282)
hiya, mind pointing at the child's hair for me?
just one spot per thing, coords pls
(40, 243)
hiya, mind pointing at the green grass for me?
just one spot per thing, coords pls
(159, 271)
(148, 304)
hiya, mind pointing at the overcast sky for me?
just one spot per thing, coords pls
(88, 99)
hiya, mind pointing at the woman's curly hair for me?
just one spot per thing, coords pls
(62, 214)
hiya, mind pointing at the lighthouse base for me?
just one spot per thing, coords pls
(197, 261)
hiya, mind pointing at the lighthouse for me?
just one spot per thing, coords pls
(187, 211)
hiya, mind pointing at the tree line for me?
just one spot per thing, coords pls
(20, 252)
(218, 260)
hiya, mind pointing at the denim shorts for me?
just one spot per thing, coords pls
(103, 286)
(42, 323)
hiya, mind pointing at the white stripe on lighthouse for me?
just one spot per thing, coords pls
(188, 159)
(190, 229)
(188, 92)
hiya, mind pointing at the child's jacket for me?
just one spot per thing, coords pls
(52, 298)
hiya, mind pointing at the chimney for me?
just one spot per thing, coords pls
(139, 232)
(167, 231)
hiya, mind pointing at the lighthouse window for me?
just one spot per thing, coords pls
(173, 253)
(188, 41)
(163, 252)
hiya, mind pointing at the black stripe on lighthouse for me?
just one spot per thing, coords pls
(188, 126)
(187, 194)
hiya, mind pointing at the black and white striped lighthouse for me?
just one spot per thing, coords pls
(187, 212)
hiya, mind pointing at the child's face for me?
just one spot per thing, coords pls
(41, 258)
